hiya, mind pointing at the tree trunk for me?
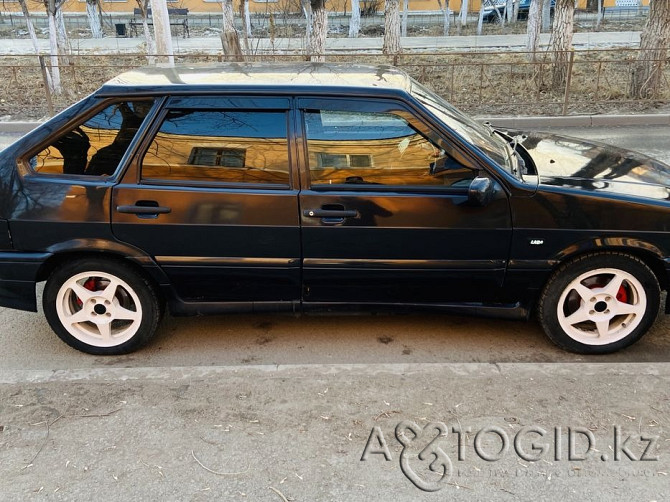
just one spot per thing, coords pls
(647, 75)
(29, 25)
(307, 10)
(230, 38)
(599, 16)
(247, 19)
(93, 18)
(143, 5)
(317, 43)
(161, 19)
(561, 41)
(533, 28)
(391, 27)
(61, 32)
(515, 16)
(509, 11)
(53, 48)
(149, 40)
(405, 10)
(546, 14)
(480, 21)
(464, 13)
(355, 21)
(445, 14)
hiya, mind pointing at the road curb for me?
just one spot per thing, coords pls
(456, 370)
(581, 121)
(529, 123)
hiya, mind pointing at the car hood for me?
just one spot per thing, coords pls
(596, 167)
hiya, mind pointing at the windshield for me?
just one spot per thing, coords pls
(471, 131)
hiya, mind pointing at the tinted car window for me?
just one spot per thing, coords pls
(382, 148)
(96, 146)
(219, 146)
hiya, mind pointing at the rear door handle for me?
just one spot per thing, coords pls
(330, 213)
(143, 209)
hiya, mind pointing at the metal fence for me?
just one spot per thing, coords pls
(482, 83)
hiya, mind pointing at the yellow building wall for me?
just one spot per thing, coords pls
(212, 6)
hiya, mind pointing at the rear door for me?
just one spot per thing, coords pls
(385, 212)
(213, 200)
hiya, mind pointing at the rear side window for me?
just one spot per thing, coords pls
(96, 146)
(219, 146)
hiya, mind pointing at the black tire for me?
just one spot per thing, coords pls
(110, 321)
(598, 321)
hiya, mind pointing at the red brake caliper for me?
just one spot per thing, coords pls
(90, 284)
(622, 295)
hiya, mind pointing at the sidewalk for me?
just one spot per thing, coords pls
(333, 45)
(299, 432)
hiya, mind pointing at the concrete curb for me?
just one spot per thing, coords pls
(465, 370)
(526, 123)
(581, 121)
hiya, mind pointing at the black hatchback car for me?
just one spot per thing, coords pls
(249, 187)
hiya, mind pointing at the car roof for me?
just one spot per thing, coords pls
(265, 74)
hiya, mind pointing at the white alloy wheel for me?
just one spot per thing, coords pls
(601, 306)
(99, 309)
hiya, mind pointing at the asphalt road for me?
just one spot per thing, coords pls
(238, 340)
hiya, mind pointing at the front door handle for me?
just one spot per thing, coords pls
(330, 213)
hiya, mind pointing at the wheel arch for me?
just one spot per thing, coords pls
(98, 248)
(650, 254)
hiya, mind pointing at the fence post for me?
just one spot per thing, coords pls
(568, 80)
(47, 88)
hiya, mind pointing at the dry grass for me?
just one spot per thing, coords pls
(479, 83)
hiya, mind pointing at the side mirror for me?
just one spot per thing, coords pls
(481, 191)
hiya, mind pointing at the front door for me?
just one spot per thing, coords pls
(385, 210)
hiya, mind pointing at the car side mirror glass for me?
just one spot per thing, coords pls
(481, 191)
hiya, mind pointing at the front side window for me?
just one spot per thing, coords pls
(95, 147)
(219, 146)
(348, 147)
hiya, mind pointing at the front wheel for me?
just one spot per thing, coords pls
(100, 306)
(599, 303)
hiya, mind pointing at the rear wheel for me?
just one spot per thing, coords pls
(599, 303)
(100, 306)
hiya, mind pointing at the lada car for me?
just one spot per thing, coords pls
(259, 187)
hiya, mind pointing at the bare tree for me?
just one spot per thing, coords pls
(61, 32)
(391, 27)
(599, 16)
(405, 11)
(93, 16)
(161, 19)
(143, 5)
(515, 14)
(533, 28)
(230, 38)
(33, 38)
(561, 41)
(647, 76)
(445, 13)
(307, 11)
(546, 15)
(509, 11)
(317, 42)
(463, 14)
(246, 17)
(52, 7)
(355, 21)
(480, 21)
